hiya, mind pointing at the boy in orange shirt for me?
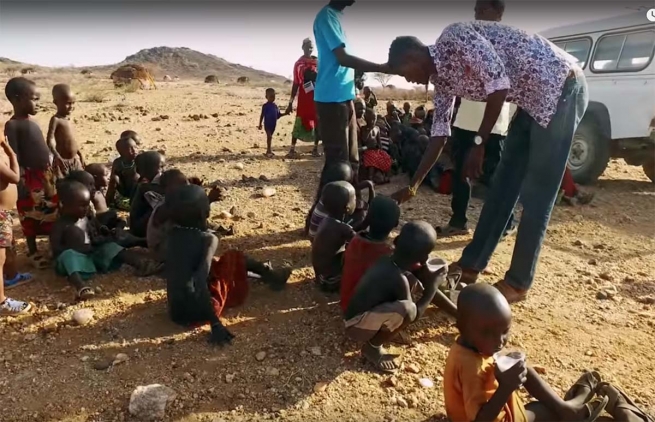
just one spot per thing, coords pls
(476, 390)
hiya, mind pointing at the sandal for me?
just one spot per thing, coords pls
(383, 362)
(316, 153)
(85, 293)
(588, 380)
(19, 280)
(618, 399)
(595, 408)
(293, 154)
(448, 231)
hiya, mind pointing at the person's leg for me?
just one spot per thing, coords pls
(351, 145)
(333, 120)
(9, 306)
(461, 187)
(13, 278)
(275, 279)
(269, 142)
(501, 198)
(548, 153)
(113, 253)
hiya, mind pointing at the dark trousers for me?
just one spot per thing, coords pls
(462, 142)
(337, 126)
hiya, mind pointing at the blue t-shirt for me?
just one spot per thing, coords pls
(271, 114)
(334, 83)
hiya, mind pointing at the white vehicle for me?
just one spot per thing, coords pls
(617, 57)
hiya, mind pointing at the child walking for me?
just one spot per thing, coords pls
(270, 115)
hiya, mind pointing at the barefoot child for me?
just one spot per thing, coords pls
(382, 305)
(366, 248)
(200, 285)
(149, 165)
(9, 177)
(333, 234)
(475, 389)
(62, 143)
(37, 195)
(270, 115)
(78, 251)
(124, 177)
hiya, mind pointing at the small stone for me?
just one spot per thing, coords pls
(214, 115)
(391, 382)
(593, 261)
(272, 372)
(251, 214)
(402, 402)
(268, 192)
(578, 243)
(120, 358)
(83, 316)
(148, 403)
(646, 300)
(412, 368)
(84, 359)
(316, 351)
(599, 246)
(164, 117)
(539, 369)
(61, 306)
(255, 146)
(225, 215)
(229, 378)
(263, 178)
(260, 356)
(602, 295)
(589, 353)
(156, 119)
(606, 276)
(187, 376)
(239, 166)
(426, 383)
(103, 364)
(320, 387)
(30, 337)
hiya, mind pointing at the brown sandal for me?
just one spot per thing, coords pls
(618, 399)
(588, 380)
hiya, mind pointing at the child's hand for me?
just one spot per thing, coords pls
(259, 127)
(220, 335)
(513, 378)
(195, 180)
(216, 194)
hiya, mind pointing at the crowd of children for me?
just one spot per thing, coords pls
(384, 286)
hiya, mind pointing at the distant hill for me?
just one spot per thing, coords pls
(179, 61)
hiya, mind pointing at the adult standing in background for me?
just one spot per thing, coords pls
(335, 88)
(304, 81)
(494, 62)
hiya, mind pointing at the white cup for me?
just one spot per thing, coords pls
(505, 361)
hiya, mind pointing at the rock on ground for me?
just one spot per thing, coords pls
(149, 402)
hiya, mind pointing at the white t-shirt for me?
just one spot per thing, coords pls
(470, 114)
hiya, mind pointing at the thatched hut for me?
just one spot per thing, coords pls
(211, 79)
(129, 73)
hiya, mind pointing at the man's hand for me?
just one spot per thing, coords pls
(403, 195)
(220, 336)
(289, 109)
(513, 378)
(259, 127)
(58, 163)
(473, 163)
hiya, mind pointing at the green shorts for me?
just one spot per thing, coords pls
(101, 260)
(301, 133)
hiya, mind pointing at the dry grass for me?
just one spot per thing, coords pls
(397, 94)
(94, 96)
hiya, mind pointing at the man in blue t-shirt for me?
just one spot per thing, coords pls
(335, 87)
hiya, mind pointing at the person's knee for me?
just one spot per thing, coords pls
(409, 310)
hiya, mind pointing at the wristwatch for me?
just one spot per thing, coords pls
(477, 140)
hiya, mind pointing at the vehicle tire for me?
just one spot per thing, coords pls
(590, 153)
(649, 168)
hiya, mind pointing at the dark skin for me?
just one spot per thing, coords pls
(140, 209)
(9, 177)
(100, 175)
(109, 223)
(418, 67)
(61, 139)
(270, 97)
(123, 177)
(369, 97)
(484, 323)
(333, 234)
(307, 50)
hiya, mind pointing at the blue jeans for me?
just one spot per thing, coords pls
(532, 167)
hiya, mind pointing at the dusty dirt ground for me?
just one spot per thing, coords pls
(47, 363)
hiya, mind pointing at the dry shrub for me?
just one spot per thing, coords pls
(131, 86)
(95, 96)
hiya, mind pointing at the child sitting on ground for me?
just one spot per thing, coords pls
(382, 305)
(270, 115)
(328, 246)
(367, 247)
(37, 194)
(149, 165)
(63, 146)
(124, 176)
(375, 160)
(475, 389)
(78, 251)
(133, 135)
(200, 285)
(339, 171)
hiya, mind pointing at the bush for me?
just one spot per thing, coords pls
(95, 97)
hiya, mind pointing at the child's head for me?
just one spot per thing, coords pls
(84, 178)
(384, 214)
(414, 244)
(366, 91)
(23, 96)
(74, 199)
(270, 95)
(171, 180)
(391, 107)
(489, 10)
(423, 141)
(189, 205)
(127, 149)
(338, 199)
(483, 318)
(422, 131)
(149, 165)
(339, 171)
(407, 107)
(100, 174)
(307, 47)
(63, 99)
(131, 134)
(360, 106)
(371, 117)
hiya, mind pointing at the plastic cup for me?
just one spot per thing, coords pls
(505, 360)
(436, 264)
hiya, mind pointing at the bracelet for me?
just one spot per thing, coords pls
(412, 190)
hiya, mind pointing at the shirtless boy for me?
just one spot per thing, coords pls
(149, 166)
(9, 177)
(133, 135)
(36, 204)
(382, 304)
(61, 141)
(330, 241)
(124, 177)
(198, 284)
(79, 252)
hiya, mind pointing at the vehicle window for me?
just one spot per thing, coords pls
(624, 52)
(577, 48)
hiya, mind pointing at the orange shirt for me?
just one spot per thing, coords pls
(469, 383)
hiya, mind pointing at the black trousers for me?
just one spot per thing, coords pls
(462, 142)
(337, 126)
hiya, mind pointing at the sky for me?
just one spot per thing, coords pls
(265, 35)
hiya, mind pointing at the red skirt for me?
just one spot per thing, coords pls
(37, 203)
(378, 159)
(228, 281)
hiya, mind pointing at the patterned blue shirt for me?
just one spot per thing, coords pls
(475, 59)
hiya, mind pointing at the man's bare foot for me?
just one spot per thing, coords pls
(378, 357)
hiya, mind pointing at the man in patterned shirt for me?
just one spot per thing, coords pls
(492, 62)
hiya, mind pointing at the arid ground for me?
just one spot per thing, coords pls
(309, 373)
